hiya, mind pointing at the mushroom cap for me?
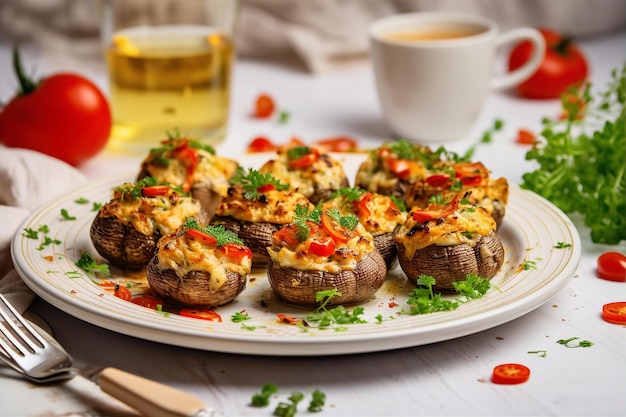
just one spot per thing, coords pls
(192, 290)
(256, 236)
(299, 287)
(448, 264)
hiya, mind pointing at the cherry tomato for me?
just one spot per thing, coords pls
(236, 252)
(306, 160)
(360, 206)
(206, 238)
(202, 314)
(525, 137)
(65, 116)
(510, 373)
(122, 292)
(612, 266)
(435, 211)
(469, 173)
(337, 231)
(189, 158)
(288, 234)
(261, 144)
(155, 190)
(324, 246)
(439, 181)
(337, 144)
(400, 167)
(265, 188)
(563, 65)
(264, 106)
(615, 312)
(148, 300)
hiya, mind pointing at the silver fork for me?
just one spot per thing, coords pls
(42, 359)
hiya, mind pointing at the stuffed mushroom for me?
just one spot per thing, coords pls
(256, 206)
(379, 214)
(126, 229)
(193, 166)
(320, 251)
(308, 171)
(469, 180)
(449, 240)
(198, 266)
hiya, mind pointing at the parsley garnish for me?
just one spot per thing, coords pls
(219, 232)
(349, 221)
(582, 160)
(284, 409)
(283, 117)
(262, 398)
(582, 343)
(540, 353)
(562, 245)
(133, 190)
(330, 318)
(81, 200)
(30, 233)
(301, 215)
(297, 152)
(87, 263)
(423, 300)
(288, 409)
(349, 193)
(239, 316)
(253, 180)
(66, 216)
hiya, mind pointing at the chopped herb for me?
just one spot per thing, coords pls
(73, 274)
(253, 180)
(582, 159)
(66, 216)
(562, 245)
(44, 229)
(133, 190)
(540, 353)
(297, 152)
(289, 409)
(81, 200)
(318, 398)
(283, 117)
(349, 193)
(331, 318)
(239, 316)
(582, 343)
(399, 203)
(262, 399)
(30, 233)
(527, 265)
(96, 206)
(48, 241)
(423, 300)
(349, 221)
(219, 232)
(87, 263)
(301, 215)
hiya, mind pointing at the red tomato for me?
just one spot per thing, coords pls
(510, 373)
(400, 167)
(65, 116)
(261, 144)
(155, 190)
(525, 137)
(122, 292)
(615, 312)
(264, 106)
(337, 231)
(563, 65)
(202, 314)
(322, 247)
(337, 144)
(360, 206)
(612, 266)
(439, 181)
(436, 211)
(469, 173)
(236, 252)
(206, 238)
(305, 160)
(148, 301)
(288, 234)
(265, 188)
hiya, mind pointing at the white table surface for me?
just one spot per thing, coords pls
(441, 379)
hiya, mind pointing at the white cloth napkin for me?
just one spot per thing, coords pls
(27, 180)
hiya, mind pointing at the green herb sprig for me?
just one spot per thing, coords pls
(582, 160)
(253, 180)
(87, 263)
(423, 300)
(222, 235)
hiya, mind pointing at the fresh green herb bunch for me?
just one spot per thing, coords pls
(222, 235)
(582, 160)
(254, 180)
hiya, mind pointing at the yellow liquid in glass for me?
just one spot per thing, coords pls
(164, 79)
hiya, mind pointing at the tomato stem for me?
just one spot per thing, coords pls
(562, 46)
(27, 85)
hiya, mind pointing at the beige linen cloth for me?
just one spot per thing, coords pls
(27, 180)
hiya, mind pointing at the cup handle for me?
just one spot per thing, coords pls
(518, 76)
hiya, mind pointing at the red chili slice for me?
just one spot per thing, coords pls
(469, 173)
(360, 206)
(122, 292)
(615, 312)
(439, 181)
(305, 160)
(206, 238)
(265, 188)
(324, 246)
(155, 190)
(436, 211)
(236, 252)
(510, 373)
(202, 314)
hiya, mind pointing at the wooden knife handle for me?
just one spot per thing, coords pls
(148, 397)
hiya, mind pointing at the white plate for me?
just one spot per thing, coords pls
(531, 229)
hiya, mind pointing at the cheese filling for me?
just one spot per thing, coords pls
(273, 206)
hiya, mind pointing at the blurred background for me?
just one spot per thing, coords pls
(314, 36)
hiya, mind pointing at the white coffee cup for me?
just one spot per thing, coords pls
(433, 70)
